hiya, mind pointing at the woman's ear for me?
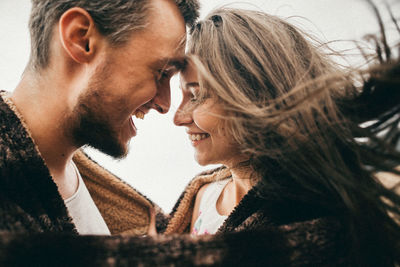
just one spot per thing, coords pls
(78, 34)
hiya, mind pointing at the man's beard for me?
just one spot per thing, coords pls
(90, 124)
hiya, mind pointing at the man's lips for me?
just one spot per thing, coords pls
(133, 127)
(139, 114)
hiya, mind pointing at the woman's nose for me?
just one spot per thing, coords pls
(182, 117)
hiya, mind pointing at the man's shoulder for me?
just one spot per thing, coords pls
(7, 130)
(11, 127)
(18, 153)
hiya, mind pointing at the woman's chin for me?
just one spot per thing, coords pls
(201, 163)
(201, 160)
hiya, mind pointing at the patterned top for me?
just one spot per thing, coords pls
(209, 219)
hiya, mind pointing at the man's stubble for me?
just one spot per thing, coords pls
(91, 121)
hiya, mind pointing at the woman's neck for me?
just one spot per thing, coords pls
(243, 179)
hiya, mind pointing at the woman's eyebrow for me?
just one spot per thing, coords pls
(177, 63)
(192, 84)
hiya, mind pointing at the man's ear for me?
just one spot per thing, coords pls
(78, 34)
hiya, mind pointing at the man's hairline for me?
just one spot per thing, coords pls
(108, 38)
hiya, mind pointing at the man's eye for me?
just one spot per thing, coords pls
(161, 74)
(164, 74)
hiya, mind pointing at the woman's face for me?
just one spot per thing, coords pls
(212, 143)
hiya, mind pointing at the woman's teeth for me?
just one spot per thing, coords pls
(139, 114)
(198, 137)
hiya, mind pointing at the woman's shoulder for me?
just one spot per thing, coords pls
(201, 191)
(208, 194)
(200, 181)
(184, 206)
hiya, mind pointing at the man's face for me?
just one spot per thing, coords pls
(130, 78)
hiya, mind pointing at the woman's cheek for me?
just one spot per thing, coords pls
(205, 120)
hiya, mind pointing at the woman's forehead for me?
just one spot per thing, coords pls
(189, 76)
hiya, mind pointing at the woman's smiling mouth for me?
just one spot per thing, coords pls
(196, 137)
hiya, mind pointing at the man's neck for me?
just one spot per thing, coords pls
(43, 109)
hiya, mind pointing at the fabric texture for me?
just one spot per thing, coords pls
(307, 236)
(36, 229)
(209, 219)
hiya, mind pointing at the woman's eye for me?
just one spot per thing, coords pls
(193, 99)
(197, 98)
(193, 96)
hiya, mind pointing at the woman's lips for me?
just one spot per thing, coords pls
(196, 138)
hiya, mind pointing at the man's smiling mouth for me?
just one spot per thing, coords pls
(139, 114)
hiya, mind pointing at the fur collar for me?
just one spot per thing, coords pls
(24, 173)
(272, 208)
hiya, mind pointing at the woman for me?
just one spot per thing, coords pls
(284, 120)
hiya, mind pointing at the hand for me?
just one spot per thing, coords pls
(152, 231)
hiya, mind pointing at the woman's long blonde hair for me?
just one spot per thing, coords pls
(297, 115)
(260, 67)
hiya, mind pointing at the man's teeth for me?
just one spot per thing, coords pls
(198, 137)
(139, 114)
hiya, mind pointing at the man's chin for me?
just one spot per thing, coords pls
(116, 153)
(90, 126)
(114, 149)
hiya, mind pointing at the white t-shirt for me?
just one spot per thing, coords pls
(209, 219)
(85, 214)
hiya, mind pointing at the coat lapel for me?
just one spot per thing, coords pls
(24, 177)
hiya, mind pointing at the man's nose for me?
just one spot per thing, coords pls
(162, 101)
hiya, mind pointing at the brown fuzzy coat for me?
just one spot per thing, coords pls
(36, 230)
(305, 235)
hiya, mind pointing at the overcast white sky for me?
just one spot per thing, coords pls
(161, 162)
